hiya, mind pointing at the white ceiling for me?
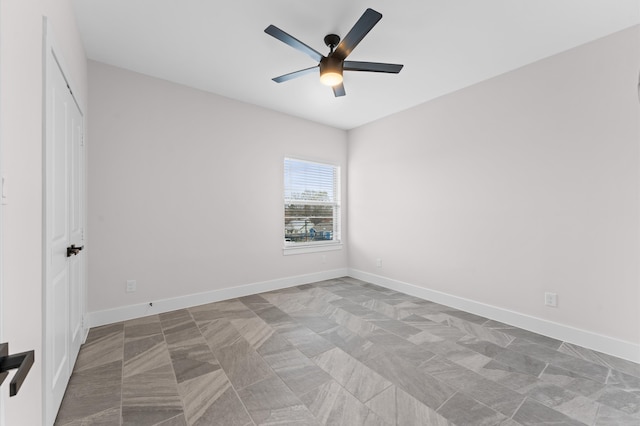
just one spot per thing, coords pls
(445, 45)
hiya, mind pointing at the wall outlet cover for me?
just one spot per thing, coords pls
(551, 299)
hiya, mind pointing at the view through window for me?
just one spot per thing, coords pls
(311, 202)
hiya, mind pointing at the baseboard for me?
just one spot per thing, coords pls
(124, 313)
(598, 342)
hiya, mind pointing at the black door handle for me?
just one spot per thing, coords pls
(72, 249)
(22, 361)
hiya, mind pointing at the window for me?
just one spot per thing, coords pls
(311, 205)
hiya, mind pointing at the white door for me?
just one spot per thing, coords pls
(64, 161)
(76, 230)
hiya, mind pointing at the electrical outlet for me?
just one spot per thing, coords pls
(131, 286)
(379, 263)
(551, 299)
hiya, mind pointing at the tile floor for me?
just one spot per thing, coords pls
(340, 352)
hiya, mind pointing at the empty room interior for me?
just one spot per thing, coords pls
(347, 213)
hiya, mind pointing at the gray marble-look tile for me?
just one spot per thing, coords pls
(488, 392)
(519, 362)
(570, 381)
(573, 405)
(390, 341)
(150, 397)
(228, 309)
(458, 354)
(504, 376)
(584, 368)
(210, 399)
(275, 317)
(416, 355)
(296, 370)
(466, 316)
(615, 363)
(357, 308)
(274, 345)
(307, 341)
(356, 324)
(422, 386)
(174, 318)
(254, 301)
(270, 402)
(464, 411)
(443, 331)
(348, 341)
(412, 412)
(359, 380)
(104, 345)
(424, 337)
(142, 327)
(481, 332)
(532, 413)
(609, 416)
(431, 356)
(314, 322)
(181, 331)
(384, 405)
(396, 327)
(620, 399)
(483, 347)
(92, 393)
(241, 363)
(380, 306)
(192, 361)
(144, 353)
(98, 333)
(523, 334)
(624, 381)
(331, 404)
(254, 330)
(108, 417)
(174, 421)
(219, 333)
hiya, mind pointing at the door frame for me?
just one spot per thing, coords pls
(2, 203)
(51, 59)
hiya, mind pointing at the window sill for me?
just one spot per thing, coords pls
(310, 248)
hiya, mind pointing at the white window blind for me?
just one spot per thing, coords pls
(311, 203)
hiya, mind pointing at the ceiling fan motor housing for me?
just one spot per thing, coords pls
(331, 64)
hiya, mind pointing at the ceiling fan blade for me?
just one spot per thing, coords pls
(293, 42)
(339, 90)
(366, 22)
(372, 67)
(294, 74)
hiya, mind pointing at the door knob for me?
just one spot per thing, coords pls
(22, 361)
(72, 249)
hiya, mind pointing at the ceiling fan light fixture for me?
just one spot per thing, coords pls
(330, 71)
(331, 78)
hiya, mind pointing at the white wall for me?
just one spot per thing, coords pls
(186, 190)
(21, 138)
(525, 183)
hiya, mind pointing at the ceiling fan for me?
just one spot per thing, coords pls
(332, 65)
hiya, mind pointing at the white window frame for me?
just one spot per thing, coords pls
(316, 246)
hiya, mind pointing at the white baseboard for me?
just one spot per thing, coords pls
(598, 342)
(124, 313)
